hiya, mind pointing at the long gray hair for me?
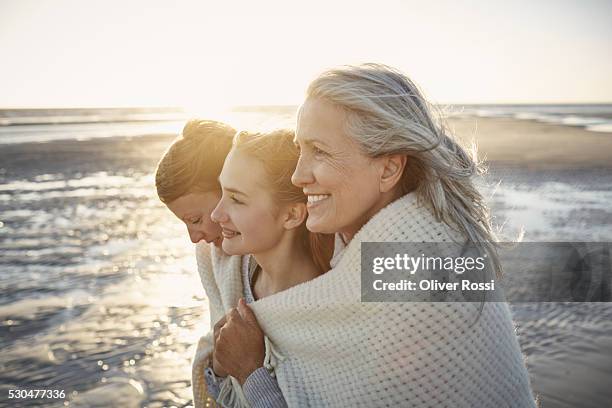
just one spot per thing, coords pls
(387, 114)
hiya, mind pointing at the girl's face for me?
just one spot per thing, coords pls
(194, 210)
(250, 220)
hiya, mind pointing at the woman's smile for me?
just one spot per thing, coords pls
(315, 200)
(228, 233)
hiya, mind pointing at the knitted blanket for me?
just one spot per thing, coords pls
(339, 352)
(221, 278)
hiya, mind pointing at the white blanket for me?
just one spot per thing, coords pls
(340, 352)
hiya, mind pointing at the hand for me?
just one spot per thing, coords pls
(239, 346)
(219, 371)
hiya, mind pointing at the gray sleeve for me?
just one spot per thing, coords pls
(213, 382)
(262, 390)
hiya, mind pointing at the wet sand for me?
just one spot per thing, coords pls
(535, 145)
(100, 294)
(502, 142)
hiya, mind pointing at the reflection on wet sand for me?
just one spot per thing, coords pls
(101, 298)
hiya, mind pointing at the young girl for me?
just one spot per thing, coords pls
(187, 181)
(263, 214)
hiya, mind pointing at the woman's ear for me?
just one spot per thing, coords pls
(295, 215)
(392, 168)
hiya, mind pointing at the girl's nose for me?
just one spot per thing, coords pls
(218, 215)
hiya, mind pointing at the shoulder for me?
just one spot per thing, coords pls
(211, 259)
(407, 220)
(203, 257)
(220, 274)
(209, 253)
(202, 250)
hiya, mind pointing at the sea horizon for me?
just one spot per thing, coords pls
(25, 125)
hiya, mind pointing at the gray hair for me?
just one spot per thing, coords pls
(387, 114)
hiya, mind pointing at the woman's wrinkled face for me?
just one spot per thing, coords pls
(194, 210)
(341, 182)
(248, 216)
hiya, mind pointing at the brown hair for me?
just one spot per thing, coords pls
(279, 156)
(194, 160)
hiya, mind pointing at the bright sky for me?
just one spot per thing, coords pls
(208, 53)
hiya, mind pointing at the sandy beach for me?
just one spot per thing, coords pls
(535, 145)
(101, 296)
(501, 141)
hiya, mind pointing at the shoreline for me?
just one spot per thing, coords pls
(502, 142)
(527, 143)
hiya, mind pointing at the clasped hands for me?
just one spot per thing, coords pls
(238, 347)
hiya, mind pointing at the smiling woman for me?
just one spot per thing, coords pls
(328, 159)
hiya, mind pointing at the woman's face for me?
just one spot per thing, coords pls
(194, 210)
(341, 182)
(247, 214)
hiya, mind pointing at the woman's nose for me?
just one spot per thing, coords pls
(195, 236)
(218, 215)
(302, 175)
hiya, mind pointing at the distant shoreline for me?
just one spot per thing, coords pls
(534, 144)
(501, 141)
(595, 117)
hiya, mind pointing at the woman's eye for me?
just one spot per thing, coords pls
(196, 220)
(234, 199)
(316, 150)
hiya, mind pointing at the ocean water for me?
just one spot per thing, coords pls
(99, 292)
(593, 117)
(37, 125)
(43, 125)
(100, 296)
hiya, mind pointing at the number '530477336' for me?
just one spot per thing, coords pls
(36, 394)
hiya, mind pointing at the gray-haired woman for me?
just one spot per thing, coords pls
(377, 167)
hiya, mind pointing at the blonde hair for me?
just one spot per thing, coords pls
(194, 160)
(387, 114)
(279, 156)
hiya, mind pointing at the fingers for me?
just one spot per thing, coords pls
(233, 314)
(232, 322)
(218, 367)
(220, 323)
(247, 313)
(217, 328)
(224, 342)
(228, 321)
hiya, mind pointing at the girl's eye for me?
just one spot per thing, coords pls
(196, 220)
(234, 199)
